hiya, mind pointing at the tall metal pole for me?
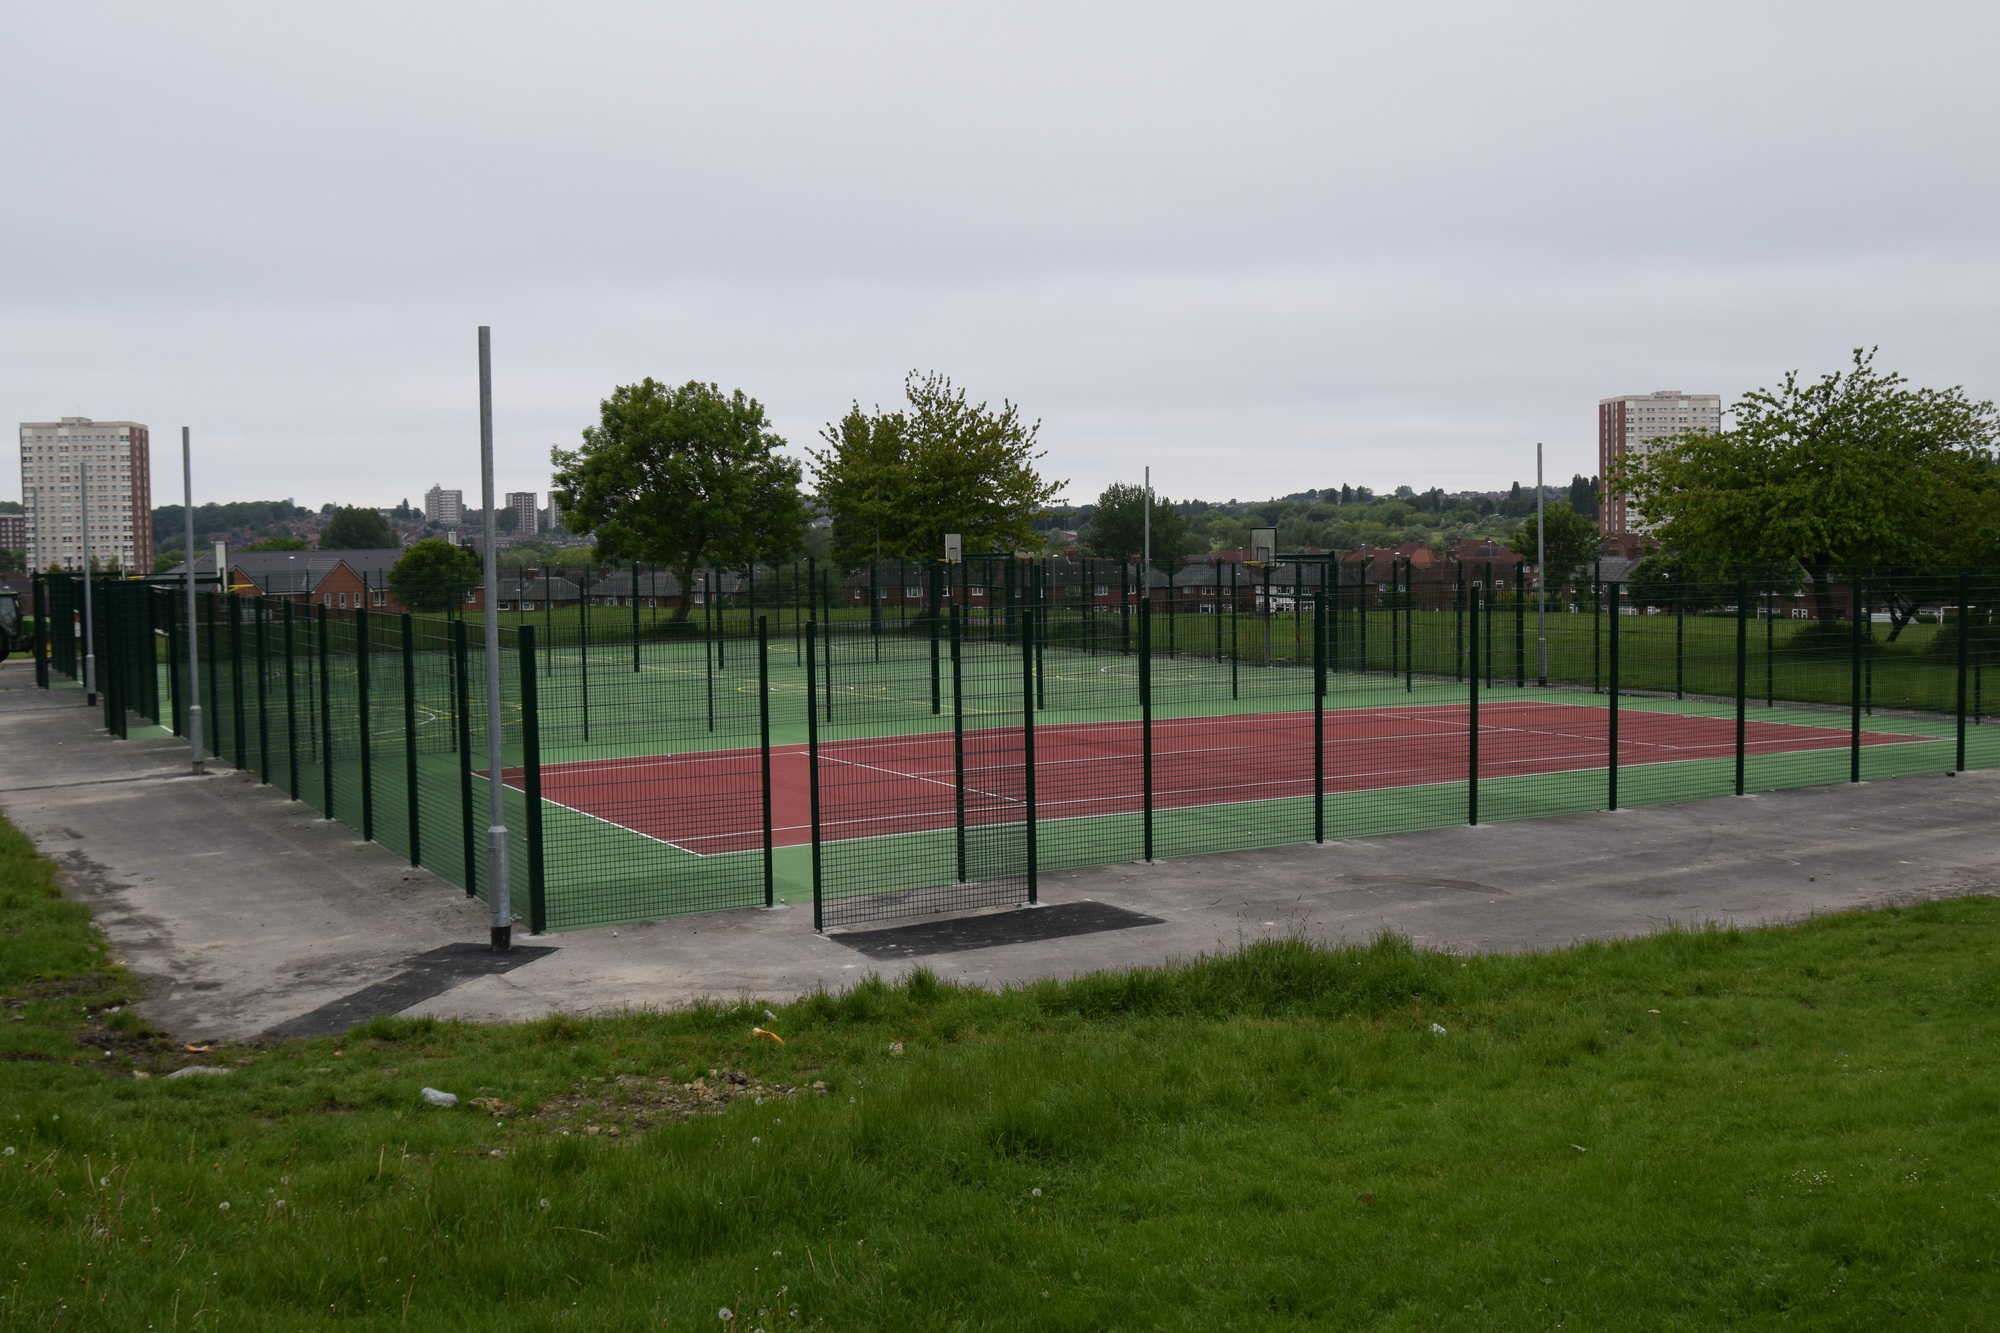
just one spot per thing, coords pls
(89, 628)
(496, 816)
(1146, 579)
(193, 648)
(1541, 580)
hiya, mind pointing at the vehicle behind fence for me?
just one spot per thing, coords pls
(911, 739)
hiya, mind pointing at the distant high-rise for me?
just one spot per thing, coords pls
(1629, 425)
(523, 505)
(118, 457)
(446, 507)
(14, 532)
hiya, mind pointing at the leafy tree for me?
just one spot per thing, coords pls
(355, 529)
(278, 544)
(1571, 542)
(1854, 468)
(896, 482)
(682, 477)
(1116, 530)
(1674, 583)
(434, 575)
(13, 557)
(11, 507)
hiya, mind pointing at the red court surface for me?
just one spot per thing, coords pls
(711, 802)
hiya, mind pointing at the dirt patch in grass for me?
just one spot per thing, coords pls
(626, 1106)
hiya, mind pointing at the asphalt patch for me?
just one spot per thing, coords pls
(423, 976)
(1023, 926)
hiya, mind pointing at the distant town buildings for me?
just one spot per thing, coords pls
(523, 505)
(1629, 424)
(14, 532)
(117, 457)
(443, 506)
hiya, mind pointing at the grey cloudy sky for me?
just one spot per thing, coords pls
(1260, 246)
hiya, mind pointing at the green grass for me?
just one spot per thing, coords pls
(1708, 1128)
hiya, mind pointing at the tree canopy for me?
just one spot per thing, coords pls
(278, 544)
(355, 529)
(895, 483)
(681, 477)
(1570, 542)
(433, 575)
(1854, 468)
(1116, 527)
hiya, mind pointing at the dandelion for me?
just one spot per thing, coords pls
(544, 1203)
(224, 1205)
(6, 1152)
(1035, 1193)
(725, 1314)
(104, 1182)
(754, 1140)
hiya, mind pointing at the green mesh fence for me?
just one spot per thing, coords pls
(900, 738)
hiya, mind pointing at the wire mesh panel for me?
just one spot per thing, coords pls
(1090, 742)
(920, 775)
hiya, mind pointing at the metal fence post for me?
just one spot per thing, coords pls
(325, 713)
(1028, 749)
(38, 590)
(467, 836)
(931, 593)
(1146, 726)
(1742, 675)
(812, 772)
(958, 742)
(1854, 682)
(259, 627)
(531, 782)
(291, 703)
(1472, 595)
(1596, 625)
(413, 814)
(764, 748)
(363, 651)
(236, 677)
(1319, 706)
(1612, 768)
(1964, 637)
(1680, 645)
(1520, 625)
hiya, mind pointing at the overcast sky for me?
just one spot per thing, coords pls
(1260, 246)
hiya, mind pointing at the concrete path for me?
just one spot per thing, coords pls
(245, 911)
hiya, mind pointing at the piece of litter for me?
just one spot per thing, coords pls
(195, 1071)
(1579, 1147)
(767, 1035)
(1438, 1028)
(436, 1098)
(895, 1048)
(1652, 1011)
(194, 1050)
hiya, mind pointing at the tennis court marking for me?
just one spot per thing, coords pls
(1454, 715)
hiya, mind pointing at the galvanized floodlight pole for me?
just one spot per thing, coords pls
(1541, 580)
(496, 816)
(89, 629)
(194, 651)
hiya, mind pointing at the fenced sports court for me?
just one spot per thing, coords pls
(919, 739)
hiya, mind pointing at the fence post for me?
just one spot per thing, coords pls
(583, 643)
(1770, 655)
(958, 741)
(1124, 609)
(1742, 674)
(1395, 616)
(211, 614)
(764, 748)
(1596, 626)
(1409, 627)
(931, 594)
(236, 678)
(1233, 663)
(363, 651)
(1319, 707)
(812, 769)
(410, 737)
(635, 616)
(460, 676)
(1028, 748)
(531, 782)
(1146, 727)
(708, 647)
(1472, 708)
(1964, 635)
(38, 592)
(1612, 771)
(259, 623)
(325, 715)
(1854, 682)
(288, 639)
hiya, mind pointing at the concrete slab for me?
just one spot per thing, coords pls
(245, 910)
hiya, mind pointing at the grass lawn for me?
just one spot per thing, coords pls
(1706, 1128)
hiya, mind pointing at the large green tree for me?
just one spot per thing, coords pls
(1570, 542)
(1116, 529)
(355, 529)
(681, 477)
(1855, 468)
(434, 575)
(896, 482)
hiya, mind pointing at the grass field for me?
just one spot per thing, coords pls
(1787, 1127)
